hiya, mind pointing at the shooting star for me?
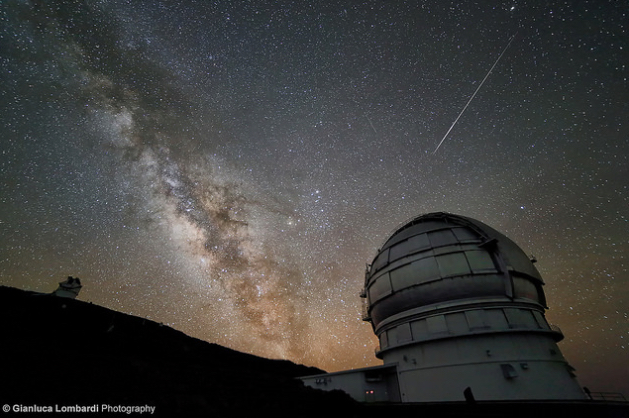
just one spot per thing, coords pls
(372, 127)
(473, 95)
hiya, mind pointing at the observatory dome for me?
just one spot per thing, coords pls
(439, 259)
(459, 313)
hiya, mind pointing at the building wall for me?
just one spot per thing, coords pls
(364, 385)
(495, 367)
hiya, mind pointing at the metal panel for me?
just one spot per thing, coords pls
(381, 260)
(412, 231)
(392, 336)
(419, 329)
(480, 261)
(384, 341)
(427, 269)
(523, 288)
(437, 324)
(476, 319)
(415, 273)
(541, 320)
(454, 264)
(465, 235)
(496, 318)
(531, 321)
(457, 324)
(404, 333)
(519, 318)
(400, 250)
(411, 245)
(403, 277)
(420, 242)
(380, 288)
(442, 238)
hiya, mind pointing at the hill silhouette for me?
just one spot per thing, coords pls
(59, 351)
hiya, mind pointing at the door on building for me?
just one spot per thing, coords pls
(370, 395)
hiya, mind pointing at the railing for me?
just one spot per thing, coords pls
(365, 310)
(607, 396)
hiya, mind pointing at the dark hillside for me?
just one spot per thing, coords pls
(68, 352)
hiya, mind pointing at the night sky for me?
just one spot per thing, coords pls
(228, 168)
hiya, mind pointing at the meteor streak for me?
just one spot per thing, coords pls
(472, 98)
(372, 127)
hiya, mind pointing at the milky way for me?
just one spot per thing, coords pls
(230, 168)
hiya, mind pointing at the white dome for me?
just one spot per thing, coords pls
(441, 258)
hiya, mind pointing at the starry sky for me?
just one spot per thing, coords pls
(228, 168)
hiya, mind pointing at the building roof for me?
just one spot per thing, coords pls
(439, 258)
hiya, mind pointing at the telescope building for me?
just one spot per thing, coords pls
(458, 309)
